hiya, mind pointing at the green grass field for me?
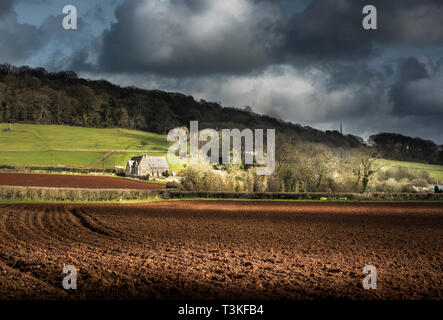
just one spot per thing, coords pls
(64, 146)
(49, 145)
(435, 171)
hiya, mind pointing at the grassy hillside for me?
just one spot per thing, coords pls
(435, 171)
(50, 145)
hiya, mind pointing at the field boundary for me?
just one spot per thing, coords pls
(54, 170)
(92, 195)
(77, 194)
(306, 196)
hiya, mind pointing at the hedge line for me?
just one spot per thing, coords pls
(307, 195)
(56, 169)
(76, 194)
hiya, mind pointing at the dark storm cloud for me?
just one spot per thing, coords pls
(17, 41)
(197, 37)
(413, 22)
(332, 30)
(411, 69)
(5, 6)
(328, 30)
(190, 37)
(417, 91)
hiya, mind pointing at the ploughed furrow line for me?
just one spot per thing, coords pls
(37, 232)
(65, 227)
(223, 250)
(41, 222)
(31, 262)
(13, 231)
(33, 245)
(16, 285)
(92, 224)
(24, 245)
(4, 234)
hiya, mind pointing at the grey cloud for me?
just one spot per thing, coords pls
(5, 6)
(199, 37)
(190, 37)
(411, 69)
(52, 26)
(342, 75)
(412, 22)
(98, 14)
(332, 30)
(327, 30)
(18, 41)
(417, 90)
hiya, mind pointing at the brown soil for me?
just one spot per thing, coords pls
(74, 181)
(222, 250)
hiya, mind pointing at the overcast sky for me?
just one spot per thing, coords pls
(307, 61)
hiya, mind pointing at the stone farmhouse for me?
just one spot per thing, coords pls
(144, 165)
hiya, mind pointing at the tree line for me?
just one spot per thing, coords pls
(399, 147)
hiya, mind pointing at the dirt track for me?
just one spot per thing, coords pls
(220, 249)
(73, 181)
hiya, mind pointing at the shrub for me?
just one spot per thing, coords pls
(404, 174)
(203, 177)
(174, 185)
(391, 185)
(420, 182)
(424, 175)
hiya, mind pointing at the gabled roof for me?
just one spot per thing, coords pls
(158, 162)
(137, 159)
(153, 162)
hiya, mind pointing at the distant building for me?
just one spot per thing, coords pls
(144, 166)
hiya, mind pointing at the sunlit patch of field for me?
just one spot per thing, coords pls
(435, 171)
(51, 145)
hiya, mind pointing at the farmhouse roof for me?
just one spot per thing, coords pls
(158, 162)
(153, 162)
(137, 159)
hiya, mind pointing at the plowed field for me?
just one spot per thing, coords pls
(73, 181)
(222, 250)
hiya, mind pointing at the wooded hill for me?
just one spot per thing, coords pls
(398, 147)
(36, 96)
(33, 95)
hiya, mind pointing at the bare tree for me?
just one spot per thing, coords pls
(364, 165)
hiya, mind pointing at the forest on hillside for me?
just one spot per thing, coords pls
(37, 96)
(34, 95)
